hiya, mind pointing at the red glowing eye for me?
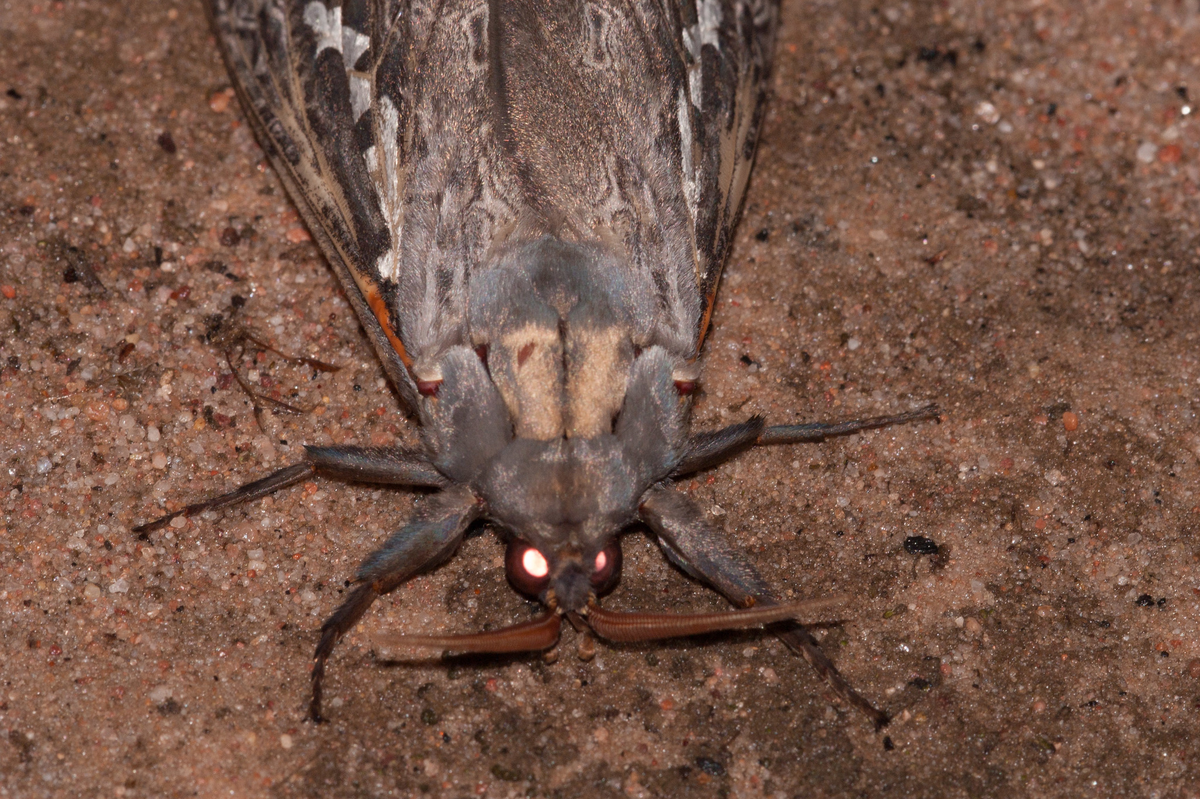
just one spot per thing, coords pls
(607, 568)
(534, 563)
(528, 570)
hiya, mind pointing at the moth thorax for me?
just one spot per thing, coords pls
(562, 381)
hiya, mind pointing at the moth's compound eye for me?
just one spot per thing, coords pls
(606, 568)
(527, 568)
(534, 563)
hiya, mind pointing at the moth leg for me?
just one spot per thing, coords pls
(713, 447)
(387, 466)
(705, 553)
(283, 478)
(430, 537)
(805, 433)
(377, 465)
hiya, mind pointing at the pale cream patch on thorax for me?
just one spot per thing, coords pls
(598, 369)
(526, 366)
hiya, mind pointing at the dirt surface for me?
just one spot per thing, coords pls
(992, 206)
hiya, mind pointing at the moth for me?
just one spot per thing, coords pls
(529, 205)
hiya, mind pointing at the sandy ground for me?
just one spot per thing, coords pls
(993, 206)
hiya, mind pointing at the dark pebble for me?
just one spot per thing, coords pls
(710, 767)
(506, 774)
(1145, 601)
(920, 545)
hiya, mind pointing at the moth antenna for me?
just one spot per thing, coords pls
(529, 636)
(633, 627)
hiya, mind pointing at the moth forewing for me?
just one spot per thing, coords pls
(529, 205)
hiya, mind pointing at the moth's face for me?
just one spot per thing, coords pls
(564, 504)
(564, 577)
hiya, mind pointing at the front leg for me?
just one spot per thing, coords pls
(705, 553)
(378, 465)
(429, 538)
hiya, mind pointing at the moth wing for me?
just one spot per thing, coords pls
(305, 74)
(727, 47)
(639, 121)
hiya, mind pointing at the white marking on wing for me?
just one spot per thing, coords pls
(691, 191)
(326, 23)
(354, 44)
(360, 95)
(385, 172)
(709, 22)
(705, 31)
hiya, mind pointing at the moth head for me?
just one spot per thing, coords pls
(563, 502)
(566, 578)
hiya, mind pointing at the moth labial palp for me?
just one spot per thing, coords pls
(529, 206)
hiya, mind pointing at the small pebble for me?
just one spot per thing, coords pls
(1170, 154)
(92, 591)
(285, 741)
(1193, 668)
(920, 545)
(1070, 421)
(219, 101)
(159, 460)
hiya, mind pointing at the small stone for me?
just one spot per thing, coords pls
(219, 101)
(1070, 421)
(1170, 154)
(1193, 668)
(1147, 152)
(285, 741)
(159, 461)
(92, 591)
(920, 545)
(120, 586)
(972, 625)
(987, 112)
